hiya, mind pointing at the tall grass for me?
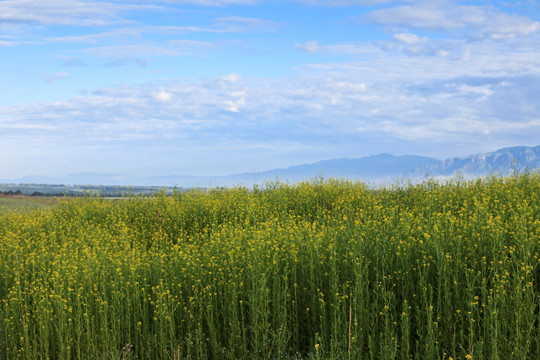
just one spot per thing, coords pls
(318, 270)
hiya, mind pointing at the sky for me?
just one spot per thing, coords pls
(216, 87)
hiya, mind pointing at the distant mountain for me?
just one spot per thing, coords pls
(367, 168)
(501, 161)
(373, 169)
(370, 168)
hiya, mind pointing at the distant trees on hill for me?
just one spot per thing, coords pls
(11, 193)
(19, 192)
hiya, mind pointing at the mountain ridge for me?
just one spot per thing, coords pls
(372, 169)
(504, 160)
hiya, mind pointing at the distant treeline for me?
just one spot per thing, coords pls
(81, 190)
(35, 193)
(11, 193)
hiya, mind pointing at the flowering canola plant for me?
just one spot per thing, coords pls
(327, 269)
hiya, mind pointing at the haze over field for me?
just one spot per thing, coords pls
(218, 87)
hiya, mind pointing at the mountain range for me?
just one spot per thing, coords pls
(505, 160)
(372, 169)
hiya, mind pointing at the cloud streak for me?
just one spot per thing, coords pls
(331, 3)
(475, 21)
(64, 12)
(89, 13)
(221, 25)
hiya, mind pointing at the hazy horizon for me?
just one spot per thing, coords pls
(218, 87)
(376, 169)
(218, 175)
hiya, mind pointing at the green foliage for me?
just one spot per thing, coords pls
(428, 271)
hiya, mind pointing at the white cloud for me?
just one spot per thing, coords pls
(400, 104)
(52, 78)
(232, 78)
(330, 3)
(421, 16)
(163, 96)
(293, 108)
(237, 100)
(126, 61)
(466, 55)
(97, 37)
(240, 24)
(414, 45)
(221, 25)
(310, 46)
(98, 13)
(474, 21)
(467, 31)
(482, 90)
(409, 38)
(8, 43)
(147, 50)
(504, 26)
(64, 12)
(358, 48)
(218, 3)
(407, 43)
(135, 35)
(105, 13)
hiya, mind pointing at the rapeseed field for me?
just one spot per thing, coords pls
(325, 269)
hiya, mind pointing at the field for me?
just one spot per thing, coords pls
(23, 202)
(325, 269)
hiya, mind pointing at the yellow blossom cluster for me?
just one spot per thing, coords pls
(327, 269)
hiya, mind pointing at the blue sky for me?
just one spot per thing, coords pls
(212, 87)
